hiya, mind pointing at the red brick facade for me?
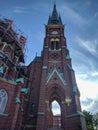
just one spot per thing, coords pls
(49, 77)
(11, 78)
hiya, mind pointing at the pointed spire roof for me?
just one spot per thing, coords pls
(54, 18)
(60, 20)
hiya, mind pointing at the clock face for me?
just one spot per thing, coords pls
(54, 32)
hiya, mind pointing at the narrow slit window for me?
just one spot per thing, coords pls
(52, 45)
(3, 100)
(57, 45)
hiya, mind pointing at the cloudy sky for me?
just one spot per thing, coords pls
(81, 30)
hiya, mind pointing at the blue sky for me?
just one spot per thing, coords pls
(81, 30)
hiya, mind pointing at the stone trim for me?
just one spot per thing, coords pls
(41, 113)
(8, 81)
(78, 113)
(29, 126)
(44, 67)
(3, 114)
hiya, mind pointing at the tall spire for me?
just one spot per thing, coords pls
(54, 13)
(54, 18)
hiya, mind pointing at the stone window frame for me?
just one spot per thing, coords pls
(3, 100)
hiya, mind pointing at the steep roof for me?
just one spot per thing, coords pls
(54, 18)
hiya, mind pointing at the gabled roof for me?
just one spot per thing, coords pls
(60, 75)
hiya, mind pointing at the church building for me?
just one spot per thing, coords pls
(27, 92)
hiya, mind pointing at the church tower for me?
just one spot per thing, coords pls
(51, 78)
(58, 82)
(28, 92)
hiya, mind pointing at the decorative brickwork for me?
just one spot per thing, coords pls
(27, 92)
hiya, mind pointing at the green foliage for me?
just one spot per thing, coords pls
(89, 120)
(95, 121)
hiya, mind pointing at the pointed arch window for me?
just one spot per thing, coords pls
(56, 108)
(3, 100)
(55, 121)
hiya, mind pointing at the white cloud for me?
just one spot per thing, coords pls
(82, 63)
(88, 90)
(95, 74)
(83, 76)
(72, 15)
(92, 105)
(89, 45)
(87, 75)
(20, 10)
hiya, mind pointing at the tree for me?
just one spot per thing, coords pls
(95, 121)
(89, 120)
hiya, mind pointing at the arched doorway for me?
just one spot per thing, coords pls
(56, 110)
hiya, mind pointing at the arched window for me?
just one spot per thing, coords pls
(3, 100)
(56, 108)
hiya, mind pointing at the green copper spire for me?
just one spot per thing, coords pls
(54, 18)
